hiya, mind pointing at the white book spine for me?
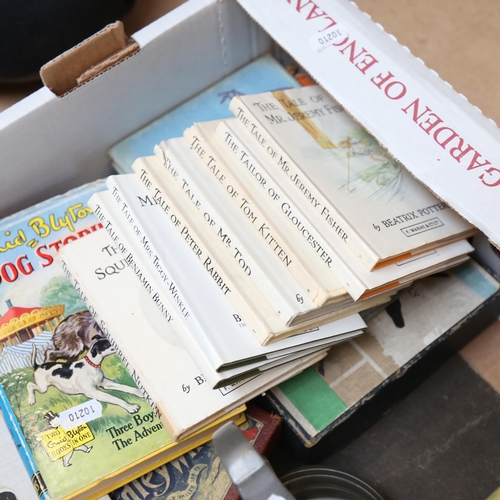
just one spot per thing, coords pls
(332, 221)
(241, 353)
(183, 400)
(147, 219)
(248, 206)
(91, 304)
(96, 303)
(291, 214)
(186, 282)
(123, 240)
(176, 162)
(151, 342)
(358, 281)
(214, 257)
(205, 357)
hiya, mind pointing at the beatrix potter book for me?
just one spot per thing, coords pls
(365, 199)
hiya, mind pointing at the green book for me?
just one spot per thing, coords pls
(315, 403)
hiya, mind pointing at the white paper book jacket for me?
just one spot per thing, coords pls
(76, 405)
(342, 167)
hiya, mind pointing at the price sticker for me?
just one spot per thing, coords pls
(334, 35)
(80, 414)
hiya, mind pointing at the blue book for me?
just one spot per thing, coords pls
(17, 480)
(262, 75)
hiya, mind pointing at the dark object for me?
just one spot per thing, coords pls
(32, 32)
(439, 443)
(394, 311)
(365, 414)
(324, 483)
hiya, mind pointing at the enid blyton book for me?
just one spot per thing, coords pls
(80, 423)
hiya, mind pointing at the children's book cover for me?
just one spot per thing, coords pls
(263, 74)
(365, 199)
(78, 409)
(199, 474)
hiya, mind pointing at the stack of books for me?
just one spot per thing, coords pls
(251, 242)
(78, 417)
(298, 217)
(231, 260)
(80, 439)
(83, 442)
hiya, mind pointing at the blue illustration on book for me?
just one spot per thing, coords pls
(263, 74)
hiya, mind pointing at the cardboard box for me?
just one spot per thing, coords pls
(51, 143)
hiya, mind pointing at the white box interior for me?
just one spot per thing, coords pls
(50, 144)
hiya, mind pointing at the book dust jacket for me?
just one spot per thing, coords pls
(363, 198)
(78, 413)
(199, 474)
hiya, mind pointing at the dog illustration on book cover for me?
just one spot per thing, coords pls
(83, 376)
(72, 336)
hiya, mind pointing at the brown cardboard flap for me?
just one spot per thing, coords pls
(89, 58)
